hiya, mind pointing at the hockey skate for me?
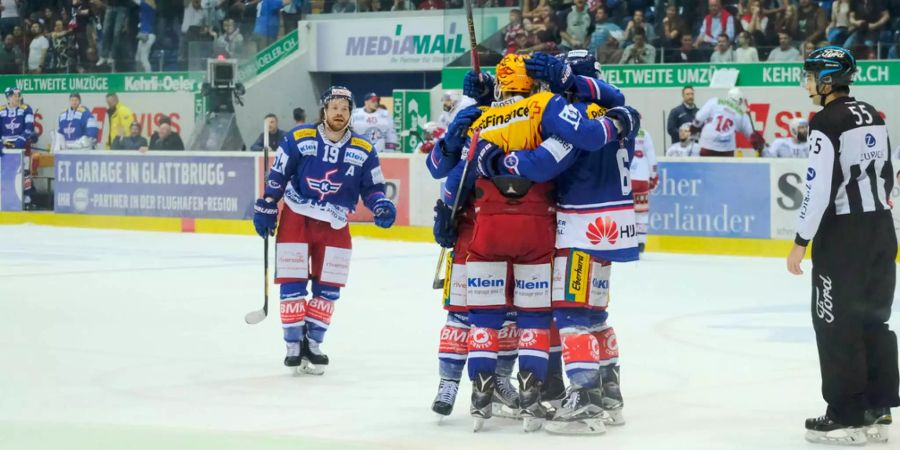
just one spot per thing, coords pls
(611, 400)
(877, 421)
(533, 412)
(446, 397)
(292, 360)
(482, 399)
(580, 414)
(313, 360)
(823, 430)
(554, 390)
(506, 400)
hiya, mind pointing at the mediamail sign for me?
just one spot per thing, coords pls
(412, 43)
(871, 73)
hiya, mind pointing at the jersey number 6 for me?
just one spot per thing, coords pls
(624, 173)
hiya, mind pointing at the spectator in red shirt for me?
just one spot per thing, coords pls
(718, 21)
(431, 4)
(515, 25)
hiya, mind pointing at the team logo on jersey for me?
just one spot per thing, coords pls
(601, 230)
(324, 186)
(870, 140)
(69, 130)
(13, 125)
(810, 174)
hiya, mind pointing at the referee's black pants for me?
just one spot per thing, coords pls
(853, 280)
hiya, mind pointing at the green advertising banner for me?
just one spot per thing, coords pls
(268, 57)
(117, 82)
(411, 111)
(871, 73)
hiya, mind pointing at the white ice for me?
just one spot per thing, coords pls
(115, 339)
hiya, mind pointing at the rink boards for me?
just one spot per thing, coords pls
(740, 206)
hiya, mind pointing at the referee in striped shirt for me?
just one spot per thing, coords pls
(847, 215)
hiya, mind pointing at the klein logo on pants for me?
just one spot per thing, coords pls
(824, 303)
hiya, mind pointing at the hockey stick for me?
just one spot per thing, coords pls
(438, 282)
(753, 125)
(255, 317)
(473, 41)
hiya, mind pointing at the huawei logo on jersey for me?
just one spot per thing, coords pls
(603, 229)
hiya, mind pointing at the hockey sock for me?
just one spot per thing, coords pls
(453, 349)
(608, 344)
(293, 310)
(534, 342)
(554, 365)
(484, 340)
(319, 310)
(509, 343)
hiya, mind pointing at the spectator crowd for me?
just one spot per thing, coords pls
(718, 31)
(88, 36)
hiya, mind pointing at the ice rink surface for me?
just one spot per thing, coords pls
(116, 339)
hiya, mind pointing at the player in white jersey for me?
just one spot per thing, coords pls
(375, 124)
(720, 118)
(643, 180)
(451, 103)
(685, 145)
(791, 147)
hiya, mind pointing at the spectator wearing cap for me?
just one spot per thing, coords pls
(602, 28)
(299, 116)
(718, 21)
(275, 134)
(134, 140)
(610, 53)
(120, 118)
(165, 138)
(375, 124)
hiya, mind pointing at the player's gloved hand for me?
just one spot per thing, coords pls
(556, 73)
(480, 89)
(757, 142)
(654, 180)
(444, 231)
(490, 160)
(627, 120)
(457, 131)
(265, 216)
(9, 144)
(385, 213)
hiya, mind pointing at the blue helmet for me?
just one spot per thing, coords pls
(10, 91)
(831, 65)
(335, 92)
(583, 63)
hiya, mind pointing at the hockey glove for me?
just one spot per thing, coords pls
(757, 142)
(457, 131)
(480, 89)
(385, 213)
(265, 217)
(490, 160)
(627, 120)
(556, 73)
(654, 181)
(444, 231)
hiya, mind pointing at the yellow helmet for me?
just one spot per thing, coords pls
(511, 75)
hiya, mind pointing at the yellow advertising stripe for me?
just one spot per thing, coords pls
(719, 246)
(86, 221)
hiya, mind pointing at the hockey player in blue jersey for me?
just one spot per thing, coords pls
(16, 121)
(595, 226)
(76, 128)
(321, 171)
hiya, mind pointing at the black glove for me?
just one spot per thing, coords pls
(444, 230)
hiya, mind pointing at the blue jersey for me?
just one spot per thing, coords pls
(595, 208)
(17, 125)
(147, 17)
(322, 179)
(267, 18)
(78, 127)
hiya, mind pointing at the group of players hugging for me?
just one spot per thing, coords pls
(544, 210)
(544, 205)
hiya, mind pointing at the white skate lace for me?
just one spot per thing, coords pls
(447, 391)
